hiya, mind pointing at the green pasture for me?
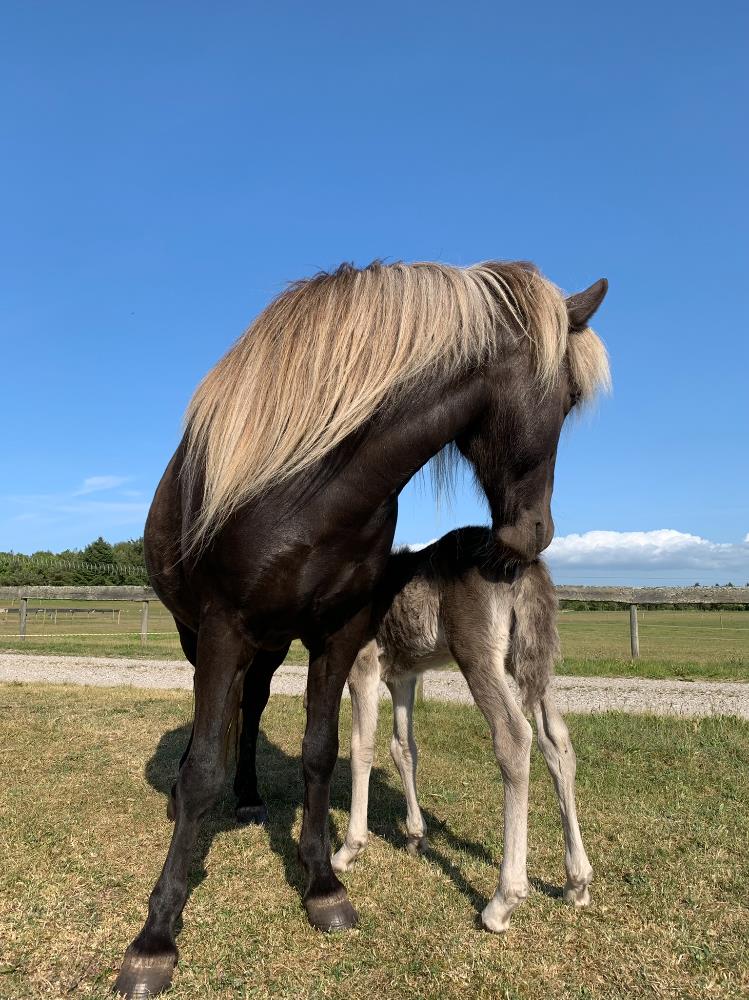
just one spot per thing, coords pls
(681, 644)
(83, 834)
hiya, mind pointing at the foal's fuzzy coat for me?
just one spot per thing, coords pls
(451, 601)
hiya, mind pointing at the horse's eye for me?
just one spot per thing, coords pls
(574, 397)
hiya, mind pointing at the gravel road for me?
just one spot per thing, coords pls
(574, 694)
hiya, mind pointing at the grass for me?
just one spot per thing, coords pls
(693, 645)
(663, 805)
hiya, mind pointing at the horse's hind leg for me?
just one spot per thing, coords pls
(223, 655)
(364, 686)
(405, 756)
(554, 743)
(250, 807)
(189, 642)
(327, 904)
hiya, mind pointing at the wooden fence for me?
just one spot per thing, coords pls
(632, 596)
(23, 595)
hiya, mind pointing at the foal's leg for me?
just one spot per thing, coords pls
(250, 807)
(480, 647)
(405, 756)
(222, 656)
(328, 907)
(364, 687)
(512, 736)
(554, 743)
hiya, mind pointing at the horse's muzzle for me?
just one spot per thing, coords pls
(527, 538)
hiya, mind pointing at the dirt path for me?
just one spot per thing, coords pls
(574, 694)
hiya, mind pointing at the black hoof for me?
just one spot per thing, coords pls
(144, 976)
(252, 815)
(331, 913)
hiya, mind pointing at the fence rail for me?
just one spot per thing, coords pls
(565, 592)
(122, 593)
(631, 596)
(655, 595)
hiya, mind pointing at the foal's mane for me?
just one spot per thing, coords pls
(332, 350)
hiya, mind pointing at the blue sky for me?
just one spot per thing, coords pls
(168, 167)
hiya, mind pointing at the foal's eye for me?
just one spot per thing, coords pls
(574, 397)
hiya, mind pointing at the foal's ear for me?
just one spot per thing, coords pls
(580, 307)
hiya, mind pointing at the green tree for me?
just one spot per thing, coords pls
(97, 555)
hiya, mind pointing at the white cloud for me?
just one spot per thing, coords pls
(417, 546)
(95, 484)
(647, 551)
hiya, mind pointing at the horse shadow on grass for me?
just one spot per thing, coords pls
(281, 785)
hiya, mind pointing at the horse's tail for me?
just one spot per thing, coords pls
(534, 644)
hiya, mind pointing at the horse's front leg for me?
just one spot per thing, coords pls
(327, 904)
(257, 681)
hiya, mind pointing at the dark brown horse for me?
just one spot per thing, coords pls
(275, 518)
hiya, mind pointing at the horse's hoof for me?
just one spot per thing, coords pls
(417, 846)
(252, 815)
(144, 976)
(331, 913)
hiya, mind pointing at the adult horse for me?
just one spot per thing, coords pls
(275, 517)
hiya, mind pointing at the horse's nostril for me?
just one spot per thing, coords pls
(540, 533)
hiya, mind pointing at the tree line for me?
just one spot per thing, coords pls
(98, 564)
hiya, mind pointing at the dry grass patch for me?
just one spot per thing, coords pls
(83, 776)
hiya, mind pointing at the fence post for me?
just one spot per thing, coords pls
(634, 635)
(22, 611)
(144, 622)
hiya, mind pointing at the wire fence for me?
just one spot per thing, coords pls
(117, 627)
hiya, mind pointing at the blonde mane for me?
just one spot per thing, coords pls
(329, 352)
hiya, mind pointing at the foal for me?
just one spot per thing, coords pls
(450, 601)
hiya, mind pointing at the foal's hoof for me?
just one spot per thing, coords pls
(577, 895)
(416, 846)
(495, 916)
(331, 913)
(144, 976)
(252, 815)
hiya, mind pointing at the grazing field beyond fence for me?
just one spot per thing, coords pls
(83, 833)
(686, 642)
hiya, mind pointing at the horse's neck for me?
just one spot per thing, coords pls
(404, 440)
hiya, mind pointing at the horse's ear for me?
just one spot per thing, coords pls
(582, 306)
